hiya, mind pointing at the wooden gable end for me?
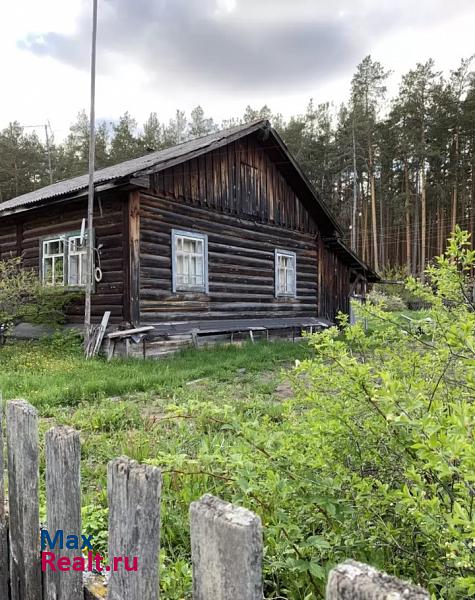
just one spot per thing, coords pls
(237, 179)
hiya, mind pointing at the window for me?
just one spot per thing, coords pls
(63, 261)
(77, 261)
(53, 262)
(285, 273)
(189, 261)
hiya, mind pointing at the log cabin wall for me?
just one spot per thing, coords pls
(21, 236)
(240, 266)
(334, 284)
(238, 197)
(8, 238)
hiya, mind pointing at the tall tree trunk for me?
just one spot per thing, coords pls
(355, 191)
(455, 188)
(423, 219)
(472, 195)
(374, 222)
(407, 190)
(415, 229)
(439, 224)
(364, 229)
(382, 258)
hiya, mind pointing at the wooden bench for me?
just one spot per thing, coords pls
(128, 335)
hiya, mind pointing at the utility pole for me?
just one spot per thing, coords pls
(90, 197)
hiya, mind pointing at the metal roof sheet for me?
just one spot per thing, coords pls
(131, 167)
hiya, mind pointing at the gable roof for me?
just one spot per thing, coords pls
(153, 161)
(124, 173)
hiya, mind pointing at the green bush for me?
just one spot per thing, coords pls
(390, 422)
(24, 298)
(386, 302)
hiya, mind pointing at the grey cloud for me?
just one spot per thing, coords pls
(185, 42)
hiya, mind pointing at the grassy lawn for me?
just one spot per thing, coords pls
(180, 413)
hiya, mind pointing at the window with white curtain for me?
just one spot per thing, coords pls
(63, 260)
(285, 273)
(77, 261)
(189, 261)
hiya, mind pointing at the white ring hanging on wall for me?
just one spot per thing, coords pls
(98, 274)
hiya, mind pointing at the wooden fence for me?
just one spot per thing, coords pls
(226, 541)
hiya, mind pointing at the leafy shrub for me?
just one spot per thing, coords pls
(390, 421)
(386, 302)
(396, 286)
(111, 415)
(24, 298)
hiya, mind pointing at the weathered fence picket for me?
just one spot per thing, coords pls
(226, 541)
(63, 503)
(133, 492)
(4, 566)
(23, 502)
(356, 581)
(226, 551)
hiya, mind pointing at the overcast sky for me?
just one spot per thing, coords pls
(158, 55)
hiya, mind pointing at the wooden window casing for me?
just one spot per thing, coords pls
(285, 274)
(189, 261)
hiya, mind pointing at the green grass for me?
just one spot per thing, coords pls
(49, 376)
(159, 412)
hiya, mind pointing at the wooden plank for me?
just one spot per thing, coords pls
(4, 566)
(133, 492)
(22, 444)
(134, 247)
(129, 332)
(358, 581)
(63, 501)
(226, 551)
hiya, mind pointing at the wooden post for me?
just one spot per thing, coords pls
(4, 568)
(133, 492)
(63, 501)
(360, 582)
(22, 443)
(226, 551)
(134, 248)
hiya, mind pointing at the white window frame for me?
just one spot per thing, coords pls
(45, 255)
(78, 253)
(286, 254)
(195, 236)
(65, 239)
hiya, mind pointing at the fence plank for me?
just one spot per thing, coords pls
(4, 568)
(22, 444)
(226, 551)
(63, 502)
(361, 582)
(133, 492)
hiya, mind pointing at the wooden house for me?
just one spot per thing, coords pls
(221, 228)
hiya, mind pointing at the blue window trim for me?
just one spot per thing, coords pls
(279, 252)
(198, 236)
